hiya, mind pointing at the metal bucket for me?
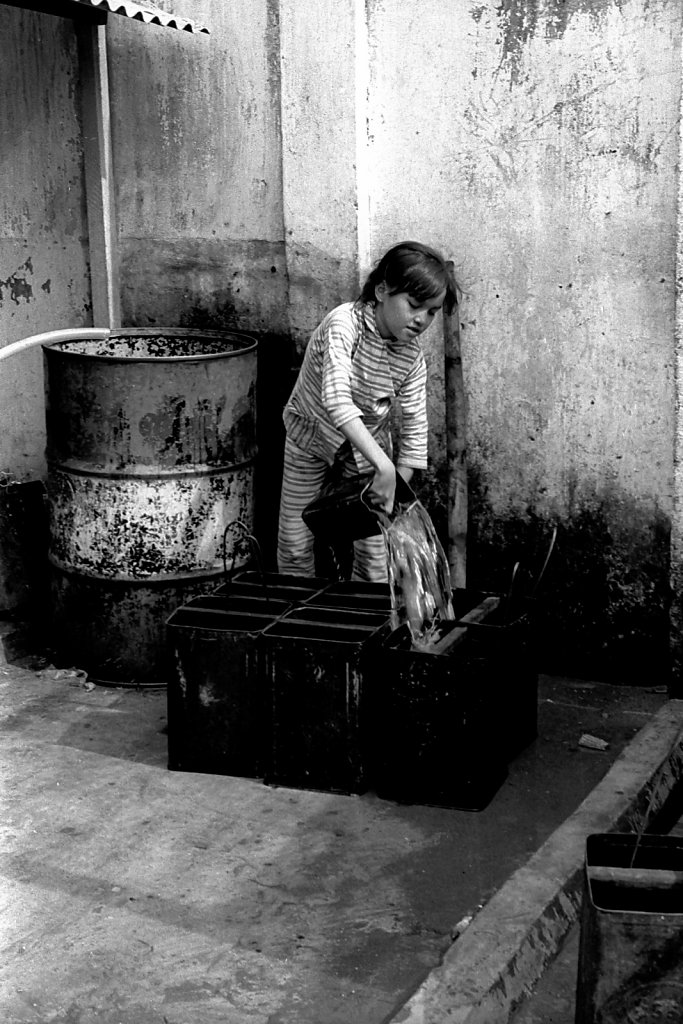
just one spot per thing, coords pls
(631, 942)
(438, 715)
(218, 700)
(151, 442)
(313, 660)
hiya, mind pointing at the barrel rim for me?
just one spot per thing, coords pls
(250, 344)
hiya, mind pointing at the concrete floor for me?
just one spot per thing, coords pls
(136, 895)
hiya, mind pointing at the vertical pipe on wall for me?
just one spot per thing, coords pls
(676, 567)
(362, 72)
(99, 176)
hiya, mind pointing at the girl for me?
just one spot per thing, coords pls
(362, 357)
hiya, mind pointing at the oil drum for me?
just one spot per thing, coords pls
(151, 446)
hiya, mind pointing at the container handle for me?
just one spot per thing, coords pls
(256, 553)
(507, 615)
(255, 548)
(545, 564)
(404, 499)
(514, 587)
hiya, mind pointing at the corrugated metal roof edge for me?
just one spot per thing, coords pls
(148, 15)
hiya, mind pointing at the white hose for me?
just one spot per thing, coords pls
(52, 337)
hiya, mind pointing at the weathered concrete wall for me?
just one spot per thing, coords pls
(541, 151)
(196, 145)
(44, 280)
(324, 147)
(676, 573)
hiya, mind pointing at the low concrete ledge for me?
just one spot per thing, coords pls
(498, 959)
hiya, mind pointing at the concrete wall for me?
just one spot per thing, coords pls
(196, 146)
(549, 170)
(44, 276)
(261, 169)
(44, 273)
(536, 143)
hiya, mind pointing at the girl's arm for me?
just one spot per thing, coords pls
(412, 452)
(383, 485)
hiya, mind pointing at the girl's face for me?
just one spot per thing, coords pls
(401, 317)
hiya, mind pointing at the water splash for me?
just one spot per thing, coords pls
(419, 576)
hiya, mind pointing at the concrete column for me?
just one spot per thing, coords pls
(324, 65)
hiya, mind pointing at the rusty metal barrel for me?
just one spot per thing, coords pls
(151, 447)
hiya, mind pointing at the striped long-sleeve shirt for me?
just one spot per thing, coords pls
(349, 370)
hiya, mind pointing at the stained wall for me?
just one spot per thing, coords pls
(44, 273)
(539, 145)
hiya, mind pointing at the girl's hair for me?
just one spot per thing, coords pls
(417, 269)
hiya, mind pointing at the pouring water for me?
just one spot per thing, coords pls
(419, 576)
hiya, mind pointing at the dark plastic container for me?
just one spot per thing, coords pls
(446, 721)
(631, 941)
(218, 702)
(315, 665)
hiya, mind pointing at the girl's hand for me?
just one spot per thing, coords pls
(381, 491)
(383, 487)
